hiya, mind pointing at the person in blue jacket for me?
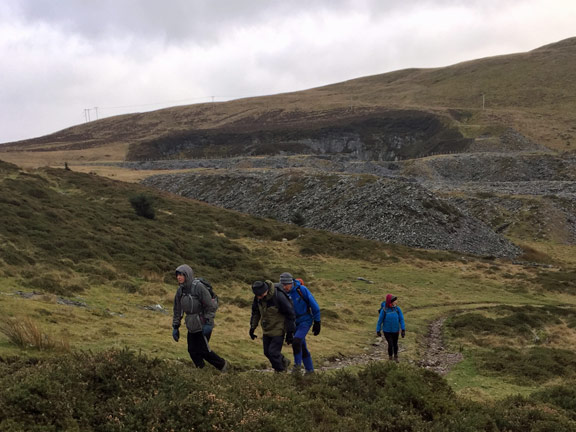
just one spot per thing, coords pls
(391, 322)
(307, 316)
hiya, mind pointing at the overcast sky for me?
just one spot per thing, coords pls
(63, 61)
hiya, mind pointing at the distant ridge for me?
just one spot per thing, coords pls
(533, 93)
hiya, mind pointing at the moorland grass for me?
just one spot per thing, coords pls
(73, 236)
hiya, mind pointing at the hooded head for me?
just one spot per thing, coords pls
(390, 299)
(286, 278)
(259, 288)
(187, 271)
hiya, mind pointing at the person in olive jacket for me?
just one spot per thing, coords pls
(273, 310)
(193, 299)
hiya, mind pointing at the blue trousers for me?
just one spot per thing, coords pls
(299, 348)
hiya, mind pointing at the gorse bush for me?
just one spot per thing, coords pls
(124, 391)
(143, 206)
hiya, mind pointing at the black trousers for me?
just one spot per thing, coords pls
(199, 351)
(392, 339)
(273, 350)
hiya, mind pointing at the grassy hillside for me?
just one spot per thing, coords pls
(85, 283)
(531, 92)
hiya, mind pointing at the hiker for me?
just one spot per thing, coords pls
(307, 314)
(273, 309)
(193, 298)
(391, 322)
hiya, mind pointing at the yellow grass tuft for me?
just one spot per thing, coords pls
(26, 334)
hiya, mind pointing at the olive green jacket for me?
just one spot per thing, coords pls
(274, 312)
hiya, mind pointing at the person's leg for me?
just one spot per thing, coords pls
(299, 340)
(196, 348)
(395, 345)
(211, 357)
(389, 340)
(273, 351)
(307, 358)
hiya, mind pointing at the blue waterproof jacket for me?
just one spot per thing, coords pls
(391, 319)
(305, 306)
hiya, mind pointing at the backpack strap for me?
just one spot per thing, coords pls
(303, 298)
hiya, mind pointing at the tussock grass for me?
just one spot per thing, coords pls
(25, 333)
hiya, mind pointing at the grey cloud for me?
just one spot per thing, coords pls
(201, 20)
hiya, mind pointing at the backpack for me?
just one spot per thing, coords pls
(210, 290)
(383, 306)
(208, 286)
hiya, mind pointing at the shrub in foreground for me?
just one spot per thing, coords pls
(124, 391)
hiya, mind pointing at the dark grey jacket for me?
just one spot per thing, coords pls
(193, 299)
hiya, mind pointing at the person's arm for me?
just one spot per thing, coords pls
(401, 319)
(208, 306)
(285, 307)
(314, 307)
(380, 319)
(177, 312)
(255, 317)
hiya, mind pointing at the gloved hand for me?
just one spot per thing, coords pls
(289, 338)
(403, 333)
(379, 333)
(176, 334)
(251, 333)
(316, 328)
(207, 329)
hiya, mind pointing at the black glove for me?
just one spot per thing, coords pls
(403, 333)
(379, 333)
(176, 334)
(316, 328)
(289, 338)
(251, 333)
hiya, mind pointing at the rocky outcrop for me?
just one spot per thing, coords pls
(388, 136)
(489, 167)
(392, 210)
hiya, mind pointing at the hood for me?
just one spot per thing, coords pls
(187, 271)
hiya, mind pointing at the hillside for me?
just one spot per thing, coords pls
(392, 210)
(86, 283)
(396, 115)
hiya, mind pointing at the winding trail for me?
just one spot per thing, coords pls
(436, 357)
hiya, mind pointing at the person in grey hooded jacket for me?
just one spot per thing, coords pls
(193, 299)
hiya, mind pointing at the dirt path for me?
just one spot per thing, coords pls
(435, 358)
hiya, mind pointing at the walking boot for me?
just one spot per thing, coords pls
(286, 362)
(396, 358)
(297, 369)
